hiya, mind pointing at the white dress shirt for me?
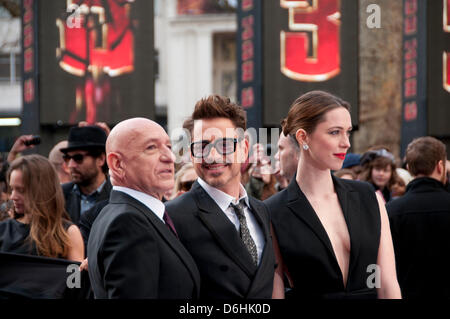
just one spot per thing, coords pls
(224, 200)
(154, 204)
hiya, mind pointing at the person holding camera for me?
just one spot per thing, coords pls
(23, 143)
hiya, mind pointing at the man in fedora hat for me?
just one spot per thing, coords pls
(85, 156)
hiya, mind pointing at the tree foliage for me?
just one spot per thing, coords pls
(12, 6)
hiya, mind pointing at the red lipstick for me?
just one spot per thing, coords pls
(340, 155)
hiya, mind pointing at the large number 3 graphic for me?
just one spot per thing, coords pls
(446, 65)
(310, 51)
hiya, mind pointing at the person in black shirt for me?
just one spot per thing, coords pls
(331, 231)
(44, 228)
(420, 221)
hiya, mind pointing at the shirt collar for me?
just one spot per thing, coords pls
(223, 200)
(76, 188)
(154, 204)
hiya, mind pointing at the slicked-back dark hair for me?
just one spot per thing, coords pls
(216, 106)
(309, 110)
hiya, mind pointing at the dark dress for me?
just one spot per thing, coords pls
(26, 276)
(14, 237)
(306, 248)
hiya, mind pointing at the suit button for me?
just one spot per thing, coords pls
(224, 268)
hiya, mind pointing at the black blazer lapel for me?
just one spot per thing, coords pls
(350, 204)
(268, 255)
(73, 206)
(161, 228)
(106, 190)
(300, 206)
(223, 230)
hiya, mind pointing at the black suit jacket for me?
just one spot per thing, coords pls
(73, 199)
(306, 248)
(133, 254)
(87, 220)
(420, 225)
(225, 265)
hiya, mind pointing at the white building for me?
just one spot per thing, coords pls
(10, 70)
(197, 57)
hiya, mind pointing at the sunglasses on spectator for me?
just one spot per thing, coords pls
(224, 146)
(186, 186)
(77, 158)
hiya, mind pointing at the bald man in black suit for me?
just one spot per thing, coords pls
(133, 248)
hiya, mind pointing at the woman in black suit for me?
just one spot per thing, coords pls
(333, 234)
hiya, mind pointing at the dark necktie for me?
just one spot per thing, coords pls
(244, 231)
(169, 223)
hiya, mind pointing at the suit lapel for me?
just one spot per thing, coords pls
(223, 230)
(257, 211)
(165, 233)
(300, 206)
(350, 205)
(74, 206)
(106, 190)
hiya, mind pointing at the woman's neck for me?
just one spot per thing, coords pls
(314, 181)
(25, 219)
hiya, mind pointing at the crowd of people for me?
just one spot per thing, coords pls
(233, 221)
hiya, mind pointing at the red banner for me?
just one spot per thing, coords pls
(310, 51)
(446, 60)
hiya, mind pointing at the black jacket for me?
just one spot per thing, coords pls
(420, 227)
(306, 248)
(133, 254)
(87, 220)
(73, 199)
(226, 267)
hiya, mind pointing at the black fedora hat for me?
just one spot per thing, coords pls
(86, 137)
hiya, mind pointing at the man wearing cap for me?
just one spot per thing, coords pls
(85, 156)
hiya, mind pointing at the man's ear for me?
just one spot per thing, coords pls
(246, 149)
(116, 164)
(102, 159)
(440, 167)
(65, 167)
(242, 151)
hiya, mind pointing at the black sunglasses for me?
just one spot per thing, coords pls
(224, 146)
(78, 158)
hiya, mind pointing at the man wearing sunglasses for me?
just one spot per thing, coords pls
(86, 159)
(227, 232)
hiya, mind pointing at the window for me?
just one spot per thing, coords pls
(10, 68)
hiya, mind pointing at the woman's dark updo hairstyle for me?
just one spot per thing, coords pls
(309, 110)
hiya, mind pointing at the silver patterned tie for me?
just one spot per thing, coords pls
(244, 231)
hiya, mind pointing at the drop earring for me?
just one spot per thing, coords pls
(305, 147)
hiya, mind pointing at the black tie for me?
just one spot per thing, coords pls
(244, 231)
(169, 223)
